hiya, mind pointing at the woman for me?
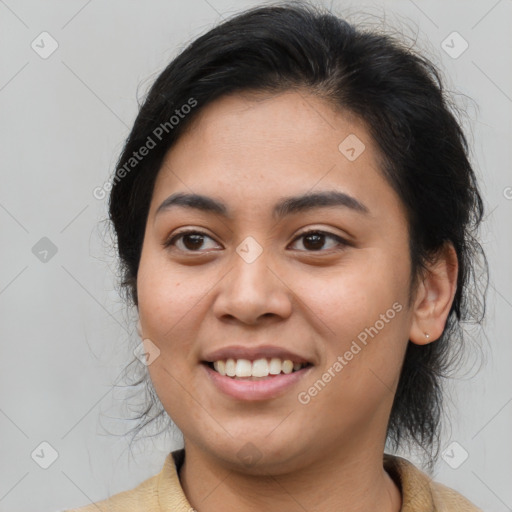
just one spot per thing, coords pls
(295, 214)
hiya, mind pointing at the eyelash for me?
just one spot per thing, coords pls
(341, 242)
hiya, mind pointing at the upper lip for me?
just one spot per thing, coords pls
(253, 353)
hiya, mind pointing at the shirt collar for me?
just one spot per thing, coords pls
(414, 485)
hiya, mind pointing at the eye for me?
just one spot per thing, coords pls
(190, 241)
(315, 239)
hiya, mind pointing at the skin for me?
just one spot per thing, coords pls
(314, 299)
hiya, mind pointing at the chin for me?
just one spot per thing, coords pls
(258, 456)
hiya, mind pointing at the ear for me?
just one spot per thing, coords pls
(434, 297)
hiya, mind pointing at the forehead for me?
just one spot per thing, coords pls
(254, 149)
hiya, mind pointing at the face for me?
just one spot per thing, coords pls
(323, 282)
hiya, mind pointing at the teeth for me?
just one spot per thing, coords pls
(243, 368)
(275, 366)
(220, 366)
(230, 367)
(287, 366)
(258, 368)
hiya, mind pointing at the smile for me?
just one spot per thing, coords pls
(251, 385)
(259, 368)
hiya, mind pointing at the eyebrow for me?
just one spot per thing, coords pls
(286, 206)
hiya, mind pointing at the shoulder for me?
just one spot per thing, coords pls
(448, 499)
(420, 493)
(159, 492)
(142, 497)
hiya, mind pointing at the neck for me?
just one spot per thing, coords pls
(355, 482)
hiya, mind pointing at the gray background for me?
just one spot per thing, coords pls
(65, 333)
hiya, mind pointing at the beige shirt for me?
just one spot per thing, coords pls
(163, 492)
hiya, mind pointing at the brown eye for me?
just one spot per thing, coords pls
(315, 240)
(188, 241)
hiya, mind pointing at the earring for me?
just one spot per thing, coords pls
(427, 335)
(139, 329)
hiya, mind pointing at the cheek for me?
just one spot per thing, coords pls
(169, 305)
(363, 317)
(353, 295)
(361, 310)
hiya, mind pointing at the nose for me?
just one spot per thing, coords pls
(253, 291)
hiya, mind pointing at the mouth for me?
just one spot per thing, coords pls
(257, 369)
(250, 381)
(255, 373)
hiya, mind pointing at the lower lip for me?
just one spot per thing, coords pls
(256, 389)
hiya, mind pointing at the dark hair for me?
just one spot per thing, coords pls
(422, 149)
